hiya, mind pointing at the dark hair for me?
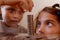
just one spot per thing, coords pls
(53, 11)
(55, 5)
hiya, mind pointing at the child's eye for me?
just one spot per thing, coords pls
(50, 24)
(38, 23)
(12, 10)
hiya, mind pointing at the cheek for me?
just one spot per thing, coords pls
(8, 16)
(20, 17)
(52, 30)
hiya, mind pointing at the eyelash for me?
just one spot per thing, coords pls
(11, 11)
(50, 24)
(38, 23)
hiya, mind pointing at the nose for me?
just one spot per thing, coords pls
(15, 15)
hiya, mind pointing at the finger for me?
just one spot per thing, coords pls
(24, 5)
(31, 4)
(8, 2)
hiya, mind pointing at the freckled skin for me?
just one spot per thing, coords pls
(47, 25)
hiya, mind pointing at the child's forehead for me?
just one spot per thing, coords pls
(11, 7)
(6, 8)
(16, 8)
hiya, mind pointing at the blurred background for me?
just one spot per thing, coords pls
(38, 6)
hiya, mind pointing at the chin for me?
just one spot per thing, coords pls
(13, 24)
(52, 36)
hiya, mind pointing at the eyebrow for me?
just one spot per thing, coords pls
(46, 21)
(50, 21)
(11, 8)
(14, 9)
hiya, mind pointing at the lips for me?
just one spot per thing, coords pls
(14, 21)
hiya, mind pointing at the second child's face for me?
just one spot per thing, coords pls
(47, 25)
(13, 16)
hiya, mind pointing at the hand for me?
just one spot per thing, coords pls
(25, 4)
